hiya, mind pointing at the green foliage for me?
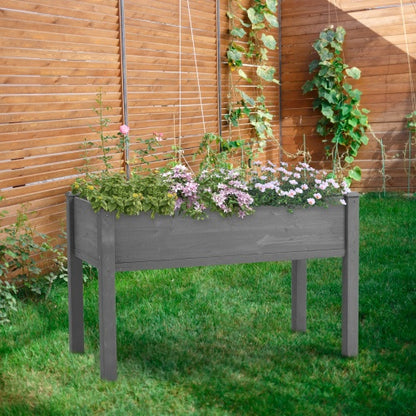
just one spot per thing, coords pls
(249, 47)
(20, 244)
(8, 302)
(411, 123)
(342, 118)
(105, 140)
(114, 192)
(17, 248)
(143, 191)
(216, 152)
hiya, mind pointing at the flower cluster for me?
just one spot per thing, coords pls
(272, 185)
(183, 185)
(225, 190)
(222, 190)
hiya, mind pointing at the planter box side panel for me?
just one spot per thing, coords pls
(271, 234)
(85, 230)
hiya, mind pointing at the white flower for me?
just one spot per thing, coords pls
(311, 201)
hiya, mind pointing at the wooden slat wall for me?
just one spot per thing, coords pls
(55, 57)
(376, 44)
(158, 94)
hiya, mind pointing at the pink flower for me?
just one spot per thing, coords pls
(158, 136)
(317, 196)
(124, 129)
(311, 201)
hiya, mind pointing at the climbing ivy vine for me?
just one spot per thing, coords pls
(251, 41)
(342, 118)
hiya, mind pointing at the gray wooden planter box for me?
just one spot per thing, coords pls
(271, 234)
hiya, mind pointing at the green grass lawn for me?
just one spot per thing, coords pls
(217, 340)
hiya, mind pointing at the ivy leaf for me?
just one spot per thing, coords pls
(269, 41)
(238, 32)
(308, 86)
(244, 76)
(313, 65)
(234, 57)
(328, 112)
(272, 19)
(266, 72)
(254, 17)
(349, 159)
(243, 23)
(258, 26)
(272, 5)
(246, 97)
(355, 95)
(355, 173)
(353, 72)
(264, 115)
(340, 34)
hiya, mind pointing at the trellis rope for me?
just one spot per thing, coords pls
(196, 66)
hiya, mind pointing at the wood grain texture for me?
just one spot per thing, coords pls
(270, 234)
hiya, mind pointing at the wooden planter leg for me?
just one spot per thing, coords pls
(107, 296)
(350, 278)
(75, 286)
(299, 295)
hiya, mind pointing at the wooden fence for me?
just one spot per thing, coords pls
(56, 55)
(381, 41)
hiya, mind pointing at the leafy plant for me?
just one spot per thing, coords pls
(114, 192)
(17, 248)
(20, 244)
(8, 302)
(411, 123)
(338, 102)
(217, 152)
(251, 41)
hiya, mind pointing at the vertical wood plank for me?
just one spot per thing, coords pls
(299, 295)
(350, 278)
(75, 285)
(107, 295)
